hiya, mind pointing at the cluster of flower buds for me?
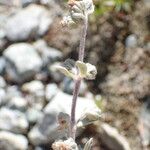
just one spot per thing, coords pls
(79, 10)
(70, 144)
(78, 70)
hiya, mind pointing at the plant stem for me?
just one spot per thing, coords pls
(82, 39)
(78, 81)
(73, 109)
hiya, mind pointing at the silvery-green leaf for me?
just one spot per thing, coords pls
(89, 116)
(82, 68)
(79, 4)
(89, 144)
(76, 9)
(91, 71)
(65, 71)
(69, 64)
(77, 16)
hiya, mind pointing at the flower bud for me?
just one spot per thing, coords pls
(68, 144)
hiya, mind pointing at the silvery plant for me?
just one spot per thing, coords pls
(79, 11)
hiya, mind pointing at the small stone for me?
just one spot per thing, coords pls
(3, 41)
(131, 41)
(29, 22)
(12, 91)
(112, 139)
(25, 3)
(2, 96)
(34, 87)
(33, 115)
(144, 123)
(22, 62)
(11, 141)
(50, 91)
(2, 65)
(18, 103)
(54, 74)
(2, 82)
(13, 120)
(48, 54)
(38, 148)
(35, 93)
(68, 86)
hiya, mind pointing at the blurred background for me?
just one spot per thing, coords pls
(32, 93)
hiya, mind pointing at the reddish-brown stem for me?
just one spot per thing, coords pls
(78, 81)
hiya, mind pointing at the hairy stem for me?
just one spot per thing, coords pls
(78, 81)
(82, 39)
(73, 109)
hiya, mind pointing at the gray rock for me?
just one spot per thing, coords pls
(47, 128)
(33, 115)
(54, 74)
(27, 2)
(131, 41)
(2, 96)
(2, 82)
(22, 62)
(48, 54)
(36, 93)
(13, 120)
(12, 91)
(50, 91)
(18, 103)
(38, 148)
(11, 141)
(29, 22)
(3, 41)
(144, 124)
(2, 65)
(112, 139)
(34, 87)
(68, 86)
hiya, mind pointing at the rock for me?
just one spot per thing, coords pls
(112, 139)
(50, 91)
(68, 86)
(30, 22)
(38, 148)
(34, 87)
(131, 41)
(11, 141)
(2, 65)
(35, 93)
(3, 41)
(54, 74)
(48, 54)
(25, 3)
(2, 82)
(144, 124)
(12, 91)
(18, 103)
(13, 120)
(2, 96)
(33, 115)
(47, 128)
(22, 62)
